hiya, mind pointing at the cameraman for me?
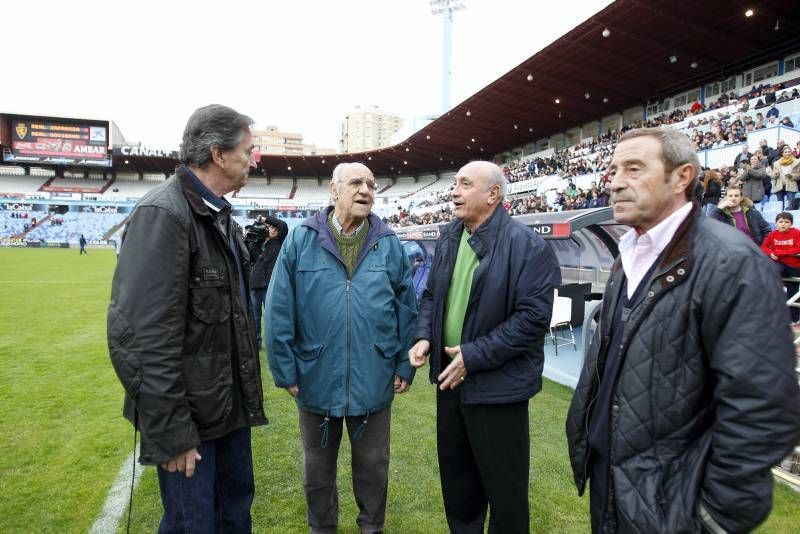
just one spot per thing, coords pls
(265, 255)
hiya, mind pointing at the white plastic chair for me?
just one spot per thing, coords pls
(562, 316)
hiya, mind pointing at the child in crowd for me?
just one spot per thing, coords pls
(782, 245)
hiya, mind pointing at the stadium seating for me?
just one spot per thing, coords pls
(91, 225)
(129, 189)
(11, 226)
(21, 184)
(11, 170)
(308, 192)
(79, 183)
(38, 171)
(406, 185)
(261, 188)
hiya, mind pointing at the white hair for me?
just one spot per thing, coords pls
(496, 177)
(336, 177)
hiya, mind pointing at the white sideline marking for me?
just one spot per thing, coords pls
(70, 282)
(117, 499)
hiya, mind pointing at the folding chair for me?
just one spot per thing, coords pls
(562, 316)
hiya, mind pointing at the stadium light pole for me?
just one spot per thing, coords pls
(446, 8)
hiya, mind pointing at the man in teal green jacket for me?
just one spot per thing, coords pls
(340, 320)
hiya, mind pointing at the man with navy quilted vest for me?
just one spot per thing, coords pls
(686, 398)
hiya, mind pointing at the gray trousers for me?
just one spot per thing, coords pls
(370, 464)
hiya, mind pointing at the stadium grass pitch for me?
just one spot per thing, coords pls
(63, 440)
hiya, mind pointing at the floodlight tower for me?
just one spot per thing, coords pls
(446, 8)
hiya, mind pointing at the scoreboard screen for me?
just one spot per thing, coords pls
(59, 142)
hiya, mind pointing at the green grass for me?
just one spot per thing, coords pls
(62, 438)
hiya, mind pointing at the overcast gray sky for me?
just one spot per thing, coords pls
(300, 65)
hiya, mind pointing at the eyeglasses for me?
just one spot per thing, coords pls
(356, 183)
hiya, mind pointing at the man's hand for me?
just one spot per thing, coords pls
(418, 355)
(183, 463)
(293, 390)
(400, 385)
(454, 373)
(773, 256)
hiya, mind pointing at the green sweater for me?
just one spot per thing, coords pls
(458, 294)
(349, 246)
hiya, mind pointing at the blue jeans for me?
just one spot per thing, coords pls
(257, 297)
(786, 198)
(219, 495)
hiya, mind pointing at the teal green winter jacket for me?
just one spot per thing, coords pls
(340, 341)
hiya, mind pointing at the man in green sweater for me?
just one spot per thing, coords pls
(340, 319)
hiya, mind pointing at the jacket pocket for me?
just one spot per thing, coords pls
(208, 379)
(310, 351)
(210, 300)
(388, 349)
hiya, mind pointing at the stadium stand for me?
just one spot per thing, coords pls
(69, 227)
(406, 186)
(82, 184)
(308, 192)
(20, 184)
(38, 171)
(13, 223)
(11, 170)
(262, 188)
(560, 177)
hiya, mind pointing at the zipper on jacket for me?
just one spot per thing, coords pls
(347, 349)
(586, 424)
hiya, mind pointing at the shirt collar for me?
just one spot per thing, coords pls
(339, 226)
(211, 200)
(661, 234)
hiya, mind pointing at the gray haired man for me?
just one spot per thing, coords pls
(181, 335)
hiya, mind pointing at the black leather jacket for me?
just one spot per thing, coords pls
(181, 340)
(707, 398)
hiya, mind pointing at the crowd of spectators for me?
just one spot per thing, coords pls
(571, 198)
(403, 218)
(594, 156)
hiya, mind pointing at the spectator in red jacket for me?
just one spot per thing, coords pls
(782, 245)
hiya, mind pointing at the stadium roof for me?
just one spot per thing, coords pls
(709, 40)
(628, 66)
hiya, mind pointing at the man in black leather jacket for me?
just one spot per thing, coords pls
(181, 335)
(688, 396)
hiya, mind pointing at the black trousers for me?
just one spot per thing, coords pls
(484, 458)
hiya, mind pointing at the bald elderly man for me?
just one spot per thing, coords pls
(340, 320)
(482, 320)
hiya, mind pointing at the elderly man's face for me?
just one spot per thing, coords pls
(354, 195)
(472, 197)
(643, 193)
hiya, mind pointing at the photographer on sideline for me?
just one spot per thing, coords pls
(265, 255)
